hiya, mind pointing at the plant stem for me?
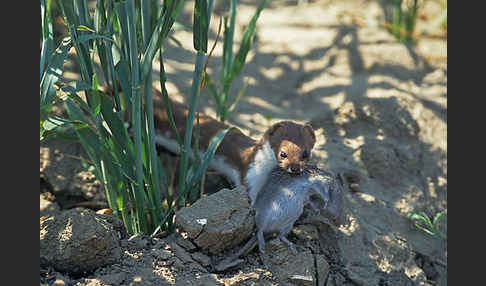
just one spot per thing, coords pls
(136, 112)
(154, 170)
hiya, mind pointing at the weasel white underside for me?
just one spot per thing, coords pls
(257, 174)
(218, 163)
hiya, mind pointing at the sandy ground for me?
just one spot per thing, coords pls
(379, 108)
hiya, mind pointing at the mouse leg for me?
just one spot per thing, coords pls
(290, 244)
(261, 241)
(314, 207)
(282, 238)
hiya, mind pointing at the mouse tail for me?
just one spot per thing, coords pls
(232, 260)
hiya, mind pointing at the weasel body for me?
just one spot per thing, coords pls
(240, 158)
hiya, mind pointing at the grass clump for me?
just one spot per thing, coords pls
(404, 18)
(425, 224)
(232, 65)
(125, 36)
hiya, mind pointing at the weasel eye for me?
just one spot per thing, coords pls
(283, 154)
(305, 154)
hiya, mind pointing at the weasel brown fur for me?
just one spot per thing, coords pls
(240, 158)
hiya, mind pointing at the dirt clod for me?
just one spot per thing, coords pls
(77, 241)
(219, 221)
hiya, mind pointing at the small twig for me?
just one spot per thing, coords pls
(201, 189)
(77, 158)
(174, 170)
(210, 54)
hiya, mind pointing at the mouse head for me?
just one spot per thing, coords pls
(326, 194)
(335, 207)
(292, 144)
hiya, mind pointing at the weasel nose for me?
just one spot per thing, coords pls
(295, 169)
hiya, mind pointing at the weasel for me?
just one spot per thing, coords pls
(240, 158)
(281, 202)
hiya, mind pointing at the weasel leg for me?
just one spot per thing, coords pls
(261, 241)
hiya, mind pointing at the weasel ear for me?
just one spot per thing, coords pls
(310, 133)
(274, 128)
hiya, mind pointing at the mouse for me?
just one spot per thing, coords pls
(281, 202)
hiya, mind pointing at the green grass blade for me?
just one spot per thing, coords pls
(88, 138)
(75, 86)
(196, 81)
(197, 157)
(165, 182)
(151, 48)
(159, 34)
(213, 92)
(67, 10)
(122, 70)
(420, 217)
(176, 41)
(228, 33)
(201, 26)
(81, 10)
(195, 92)
(121, 13)
(397, 18)
(208, 156)
(117, 126)
(88, 37)
(53, 73)
(237, 99)
(246, 42)
(165, 99)
(152, 168)
(110, 196)
(217, 97)
(111, 74)
(193, 100)
(196, 162)
(437, 217)
(136, 113)
(424, 219)
(146, 20)
(72, 89)
(47, 35)
(74, 13)
(54, 122)
(100, 19)
(46, 52)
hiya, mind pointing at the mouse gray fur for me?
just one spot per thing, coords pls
(281, 202)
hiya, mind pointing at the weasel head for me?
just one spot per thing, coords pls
(292, 144)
